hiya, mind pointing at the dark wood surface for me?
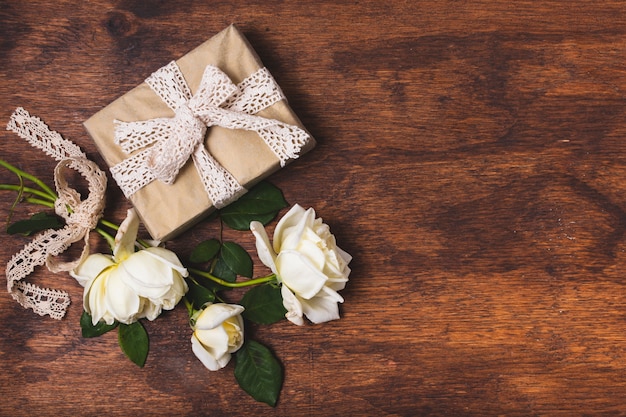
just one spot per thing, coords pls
(471, 158)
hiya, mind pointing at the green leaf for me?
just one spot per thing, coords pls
(205, 251)
(258, 372)
(221, 270)
(133, 339)
(89, 330)
(198, 294)
(262, 203)
(237, 259)
(264, 304)
(36, 223)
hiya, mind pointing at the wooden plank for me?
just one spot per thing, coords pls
(470, 157)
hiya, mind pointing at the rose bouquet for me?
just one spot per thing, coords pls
(140, 278)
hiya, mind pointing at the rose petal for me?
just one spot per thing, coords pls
(291, 237)
(150, 310)
(323, 307)
(336, 284)
(91, 267)
(292, 305)
(207, 359)
(215, 341)
(126, 236)
(94, 299)
(263, 246)
(299, 274)
(289, 220)
(121, 300)
(176, 292)
(168, 257)
(344, 255)
(311, 249)
(234, 328)
(148, 276)
(215, 314)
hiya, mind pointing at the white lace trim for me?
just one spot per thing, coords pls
(35, 132)
(168, 143)
(82, 216)
(132, 173)
(210, 170)
(172, 89)
(134, 136)
(257, 92)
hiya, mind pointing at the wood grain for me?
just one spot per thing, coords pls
(470, 157)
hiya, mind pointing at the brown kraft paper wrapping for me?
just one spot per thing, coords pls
(168, 210)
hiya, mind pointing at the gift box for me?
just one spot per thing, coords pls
(250, 132)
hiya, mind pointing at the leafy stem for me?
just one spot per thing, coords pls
(108, 237)
(22, 174)
(189, 306)
(240, 284)
(47, 197)
(40, 202)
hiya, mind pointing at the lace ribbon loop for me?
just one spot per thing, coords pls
(171, 141)
(80, 215)
(169, 155)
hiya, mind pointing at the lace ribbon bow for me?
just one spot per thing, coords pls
(218, 102)
(80, 217)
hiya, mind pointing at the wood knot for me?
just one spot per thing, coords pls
(118, 24)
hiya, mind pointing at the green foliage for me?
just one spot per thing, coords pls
(236, 259)
(89, 330)
(262, 203)
(205, 251)
(263, 304)
(232, 259)
(198, 294)
(258, 372)
(221, 270)
(133, 339)
(36, 223)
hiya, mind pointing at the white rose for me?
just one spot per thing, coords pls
(306, 259)
(130, 285)
(217, 333)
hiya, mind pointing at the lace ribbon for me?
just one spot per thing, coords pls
(80, 217)
(169, 142)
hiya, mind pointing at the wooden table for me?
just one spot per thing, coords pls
(471, 158)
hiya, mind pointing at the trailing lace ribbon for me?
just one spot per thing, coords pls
(218, 102)
(80, 217)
